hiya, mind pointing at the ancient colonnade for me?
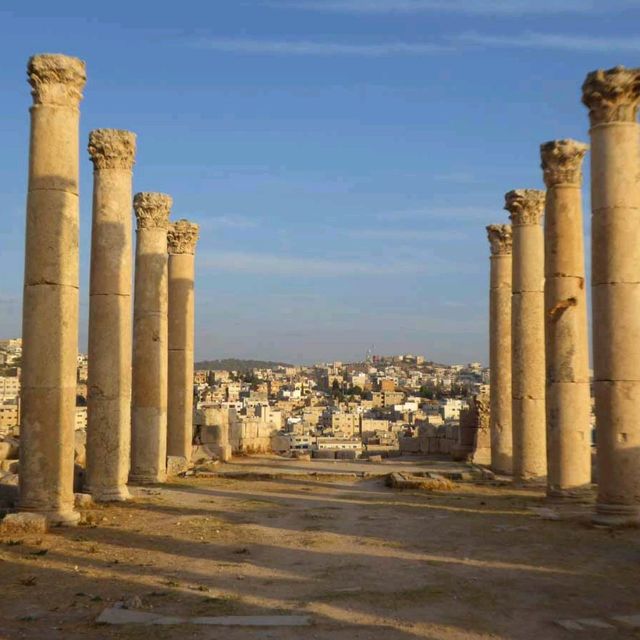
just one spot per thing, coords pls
(548, 375)
(128, 383)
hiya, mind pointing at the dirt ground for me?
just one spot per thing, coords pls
(363, 560)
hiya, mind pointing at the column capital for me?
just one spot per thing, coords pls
(112, 149)
(525, 206)
(562, 162)
(56, 79)
(182, 237)
(500, 239)
(152, 210)
(612, 95)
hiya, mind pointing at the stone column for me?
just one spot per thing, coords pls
(109, 385)
(527, 335)
(612, 98)
(182, 238)
(149, 390)
(50, 302)
(500, 347)
(568, 398)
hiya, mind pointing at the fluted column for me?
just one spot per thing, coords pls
(527, 335)
(612, 98)
(568, 398)
(109, 385)
(149, 392)
(50, 302)
(500, 347)
(182, 238)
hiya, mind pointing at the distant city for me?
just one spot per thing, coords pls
(336, 408)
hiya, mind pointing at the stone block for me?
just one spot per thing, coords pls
(10, 466)
(8, 450)
(176, 465)
(83, 500)
(409, 445)
(324, 454)
(398, 480)
(375, 458)
(23, 524)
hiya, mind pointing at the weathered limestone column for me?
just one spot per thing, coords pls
(612, 98)
(109, 386)
(182, 238)
(50, 303)
(568, 398)
(500, 347)
(527, 335)
(150, 355)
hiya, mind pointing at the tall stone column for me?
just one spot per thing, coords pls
(50, 302)
(182, 238)
(500, 347)
(527, 335)
(150, 355)
(109, 385)
(612, 98)
(568, 398)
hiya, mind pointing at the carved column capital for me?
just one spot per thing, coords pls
(500, 239)
(525, 206)
(56, 79)
(562, 162)
(182, 237)
(612, 95)
(152, 210)
(112, 149)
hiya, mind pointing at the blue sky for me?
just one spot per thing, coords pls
(342, 156)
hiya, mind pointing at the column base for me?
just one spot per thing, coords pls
(617, 515)
(66, 518)
(147, 479)
(577, 494)
(110, 494)
(533, 481)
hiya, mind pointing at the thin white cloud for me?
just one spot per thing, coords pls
(457, 177)
(513, 8)
(253, 46)
(270, 264)
(557, 41)
(437, 212)
(406, 234)
(230, 221)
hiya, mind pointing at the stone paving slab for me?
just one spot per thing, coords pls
(120, 616)
(589, 624)
(631, 622)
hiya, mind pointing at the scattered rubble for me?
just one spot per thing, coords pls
(23, 524)
(429, 482)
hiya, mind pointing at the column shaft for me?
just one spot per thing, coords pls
(149, 390)
(567, 355)
(500, 348)
(50, 303)
(109, 384)
(612, 98)
(527, 335)
(182, 238)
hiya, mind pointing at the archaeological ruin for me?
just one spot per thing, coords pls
(535, 428)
